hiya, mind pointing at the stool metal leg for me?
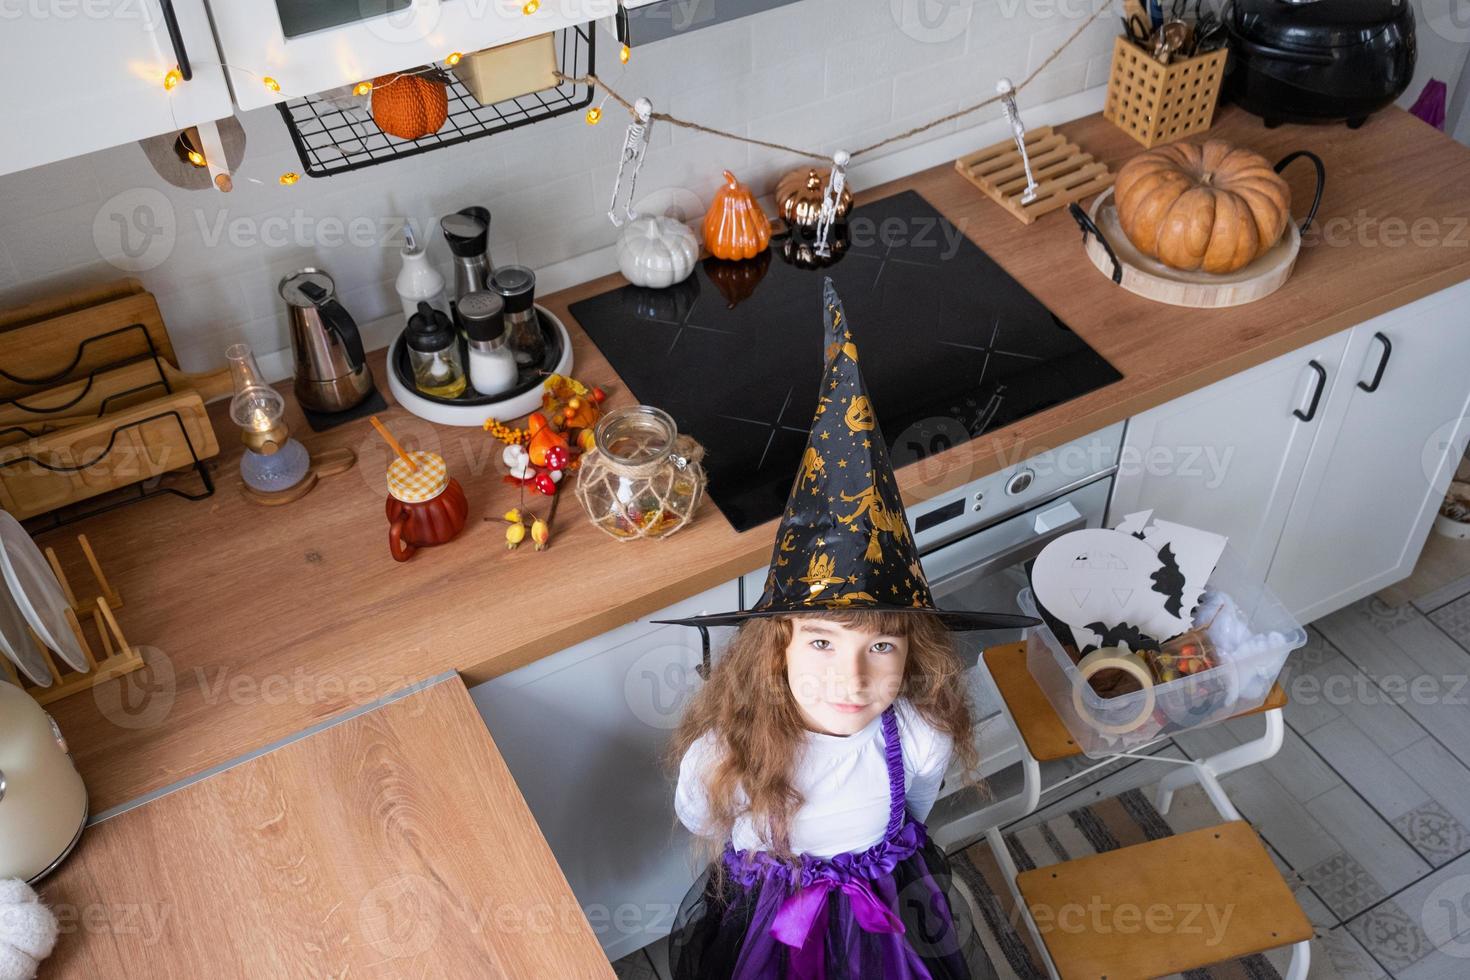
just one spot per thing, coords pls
(1223, 763)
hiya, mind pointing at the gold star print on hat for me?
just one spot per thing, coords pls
(844, 540)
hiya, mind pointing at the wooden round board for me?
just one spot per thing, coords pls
(1153, 280)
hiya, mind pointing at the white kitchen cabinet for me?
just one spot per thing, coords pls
(309, 46)
(1228, 457)
(584, 732)
(1383, 458)
(82, 75)
(1334, 506)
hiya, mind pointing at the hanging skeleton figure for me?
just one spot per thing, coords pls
(635, 148)
(1007, 93)
(827, 215)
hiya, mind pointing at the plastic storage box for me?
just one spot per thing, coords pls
(1108, 726)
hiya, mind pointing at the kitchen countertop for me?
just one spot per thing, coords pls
(261, 622)
(395, 843)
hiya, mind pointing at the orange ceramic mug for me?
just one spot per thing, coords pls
(426, 506)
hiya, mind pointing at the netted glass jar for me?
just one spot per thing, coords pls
(642, 479)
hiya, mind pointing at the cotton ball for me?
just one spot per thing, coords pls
(27, 930)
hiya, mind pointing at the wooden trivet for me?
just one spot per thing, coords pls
(1063, 173)
(329, 463)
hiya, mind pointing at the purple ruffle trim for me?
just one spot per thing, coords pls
(752, 867)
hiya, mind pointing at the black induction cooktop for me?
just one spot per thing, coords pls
(951, 347)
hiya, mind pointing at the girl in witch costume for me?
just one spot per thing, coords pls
(819, 741)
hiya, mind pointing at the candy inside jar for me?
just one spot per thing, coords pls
(642, 479)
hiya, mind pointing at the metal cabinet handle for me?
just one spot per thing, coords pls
(176, 38)
(1311, 412)
(1372, 386)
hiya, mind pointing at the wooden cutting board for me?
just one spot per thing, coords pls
(46, 353)
(82, 461)
(110, 390)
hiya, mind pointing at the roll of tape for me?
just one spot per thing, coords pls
(1109, 658)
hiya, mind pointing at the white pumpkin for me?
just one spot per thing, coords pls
(657, 251)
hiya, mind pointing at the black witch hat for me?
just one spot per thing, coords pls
(844, 541)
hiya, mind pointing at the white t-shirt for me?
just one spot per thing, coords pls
(844, 780)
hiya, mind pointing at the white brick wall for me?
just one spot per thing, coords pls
(815, 74)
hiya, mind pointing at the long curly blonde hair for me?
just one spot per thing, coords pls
(747, 703)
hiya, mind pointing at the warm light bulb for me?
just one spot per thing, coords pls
(625, 54)
(594, 115)
(453, 59)
(172, 79)
(531, 7)
(271, 83)
(362, 88)
(196, 158)
(289, 177)
(260, 421)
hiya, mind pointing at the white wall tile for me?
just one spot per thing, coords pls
(815, 74)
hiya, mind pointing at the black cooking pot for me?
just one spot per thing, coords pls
(1319, 60)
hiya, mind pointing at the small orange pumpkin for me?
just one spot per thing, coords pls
(735, 227)
(1214, 207)
(409, 106)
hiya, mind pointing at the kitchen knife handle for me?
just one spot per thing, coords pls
(1089, 227)
(1372, 386)
(1311, 412)
(176, 38)
(1321, 181)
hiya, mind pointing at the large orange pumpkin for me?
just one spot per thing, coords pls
(735, 227)
(409, 106)
(1212, 207)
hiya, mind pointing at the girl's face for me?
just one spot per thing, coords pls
(842, 678)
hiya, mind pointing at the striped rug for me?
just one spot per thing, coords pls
(1105, 825)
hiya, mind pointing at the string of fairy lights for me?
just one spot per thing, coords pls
(640, 111)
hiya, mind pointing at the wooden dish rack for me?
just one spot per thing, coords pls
(1064, 173)
(117, 656)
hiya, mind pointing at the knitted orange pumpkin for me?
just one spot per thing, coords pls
(735, 226)
(409, 106)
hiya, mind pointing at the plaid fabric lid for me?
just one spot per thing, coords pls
(424, 483)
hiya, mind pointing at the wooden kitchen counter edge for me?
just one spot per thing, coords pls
(266, 619)
(396, 840)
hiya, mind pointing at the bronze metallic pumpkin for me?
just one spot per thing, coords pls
(799, 196)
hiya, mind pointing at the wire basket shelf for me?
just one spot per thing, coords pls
(333, 135)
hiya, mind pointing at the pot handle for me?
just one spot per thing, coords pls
(1321, 181)
(400, 550)
(1089, 227)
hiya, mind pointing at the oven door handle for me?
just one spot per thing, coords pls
(1046, 526)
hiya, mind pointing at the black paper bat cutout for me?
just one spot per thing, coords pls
(1169, 581)
(1124, 635)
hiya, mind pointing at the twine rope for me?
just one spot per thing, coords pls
(592, 79)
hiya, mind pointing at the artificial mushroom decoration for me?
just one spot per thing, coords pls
(657, 252)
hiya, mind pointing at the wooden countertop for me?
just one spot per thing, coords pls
(393, 844)
(261, 622)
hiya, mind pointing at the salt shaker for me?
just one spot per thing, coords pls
(517, 287)
(492, 366)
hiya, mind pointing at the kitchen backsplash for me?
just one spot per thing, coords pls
(813, 74)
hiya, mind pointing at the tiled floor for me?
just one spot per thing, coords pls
(1367, 805)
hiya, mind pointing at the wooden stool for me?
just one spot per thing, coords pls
(1166, 906)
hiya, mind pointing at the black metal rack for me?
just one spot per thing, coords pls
(332, 137)
(142, 490)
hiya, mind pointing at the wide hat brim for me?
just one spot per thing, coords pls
(953, 620)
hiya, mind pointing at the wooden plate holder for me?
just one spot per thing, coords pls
(118, 657)
(1064, 173)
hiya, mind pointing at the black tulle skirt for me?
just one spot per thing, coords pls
(723, 930)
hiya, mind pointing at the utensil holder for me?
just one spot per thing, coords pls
(1157, 103)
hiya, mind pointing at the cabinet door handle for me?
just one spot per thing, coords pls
(1372, 386)
(1311, 411)
(176, 38)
